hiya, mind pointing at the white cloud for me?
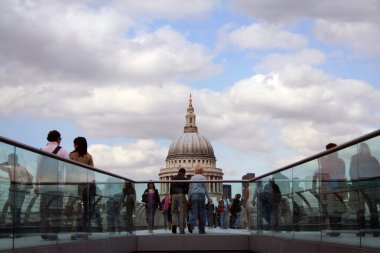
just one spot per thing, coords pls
(119, 110)
(279, 10)
(243, 116)
(278, 61)
(138, 161)
(258, 36)
(297, 109)
(354, 24)
(300, 101)
(96, 45)
(361, 37)
(167, 9)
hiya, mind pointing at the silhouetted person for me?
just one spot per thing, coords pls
(298, 203)
(88, 197)
(20, 184)
(285, 213)
(235, 210)
(272, 200)
(364, 168)
(114, 205)
(210, 211)
(130, 201)
(331, 176)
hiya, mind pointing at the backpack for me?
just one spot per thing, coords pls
(236, 206)
(47, 169)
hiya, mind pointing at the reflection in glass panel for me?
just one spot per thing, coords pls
(333, 197)
(365, 175)
(78, 195)
(306, 205)
(262, 211)
(114, 194)
(49, 176)
(29, 212)
(99, 219)
(282, 205)
(345, 196)
(6, 218)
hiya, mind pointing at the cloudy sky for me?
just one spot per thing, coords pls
(272, 81)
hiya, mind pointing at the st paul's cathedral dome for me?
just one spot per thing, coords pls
(187, 151)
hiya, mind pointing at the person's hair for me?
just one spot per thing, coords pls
(182, 171)
(364, 149)
(128, 188)
(330, 145)
(13, 157)
(53, 135)
(199, 169)
(81, 147)
(154, 187)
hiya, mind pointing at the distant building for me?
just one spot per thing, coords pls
(188, 150)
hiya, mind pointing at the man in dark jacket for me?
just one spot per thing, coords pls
(178, 191)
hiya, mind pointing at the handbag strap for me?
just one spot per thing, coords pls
(55, 151)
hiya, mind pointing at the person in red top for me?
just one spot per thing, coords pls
(166, 211)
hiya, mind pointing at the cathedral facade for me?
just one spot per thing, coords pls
(187, 151)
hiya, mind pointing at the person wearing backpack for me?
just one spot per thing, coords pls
(20, 185)
(49, 174)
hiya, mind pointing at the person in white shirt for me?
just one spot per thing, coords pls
(50, 173)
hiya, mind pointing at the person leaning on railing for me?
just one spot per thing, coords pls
(86, 187)
(332, 189)
(365, 176)
(48, 178)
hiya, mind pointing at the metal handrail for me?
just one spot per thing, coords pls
(308, 159)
